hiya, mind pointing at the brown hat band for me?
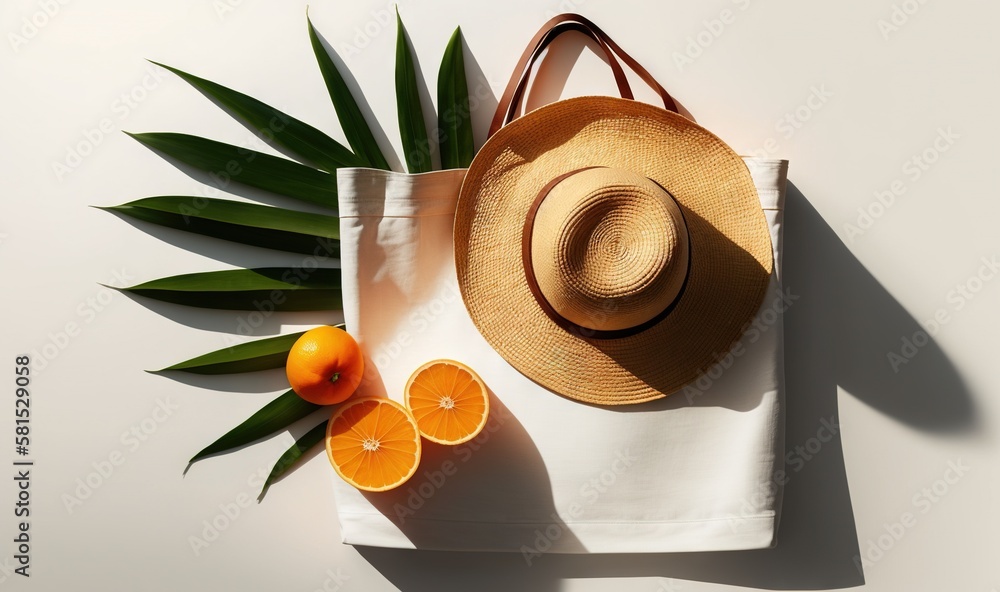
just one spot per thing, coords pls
(543, 303)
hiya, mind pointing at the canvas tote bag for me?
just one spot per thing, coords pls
(698, 470)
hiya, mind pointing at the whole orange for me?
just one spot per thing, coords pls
(325, 365)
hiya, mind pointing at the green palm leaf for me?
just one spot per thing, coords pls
(225, 163)
(265, 288)
(359, 135)
(301, 138)
(412, 129)
(250, 224)
(293, 454)
(260, 354)
(454, 115)
(276, 415)
(288, 288)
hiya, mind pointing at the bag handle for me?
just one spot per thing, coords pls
(557, 25)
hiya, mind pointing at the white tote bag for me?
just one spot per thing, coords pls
(696, 471)
(699, 470)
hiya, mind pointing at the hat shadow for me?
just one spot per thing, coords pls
(838, 334)
(715, 251)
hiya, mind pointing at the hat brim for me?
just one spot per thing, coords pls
(731, 253)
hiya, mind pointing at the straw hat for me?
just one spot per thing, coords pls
(610, 250)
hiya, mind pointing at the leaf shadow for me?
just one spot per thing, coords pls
(246, 323)
(233, 253)
(482, 101)
(262, 381)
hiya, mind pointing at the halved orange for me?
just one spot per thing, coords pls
(448, 400)
(373, 443)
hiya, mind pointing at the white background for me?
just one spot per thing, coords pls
(881, 96)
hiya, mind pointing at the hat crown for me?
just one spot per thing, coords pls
(609, 249)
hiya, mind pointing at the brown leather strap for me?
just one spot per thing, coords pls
(536, 291)
(509, 101)
(668, 101)
(555, 27)
(621, 80)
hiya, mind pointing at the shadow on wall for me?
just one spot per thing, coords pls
(839, 332)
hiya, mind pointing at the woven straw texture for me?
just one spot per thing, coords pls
(609, 239)
(731, 253)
